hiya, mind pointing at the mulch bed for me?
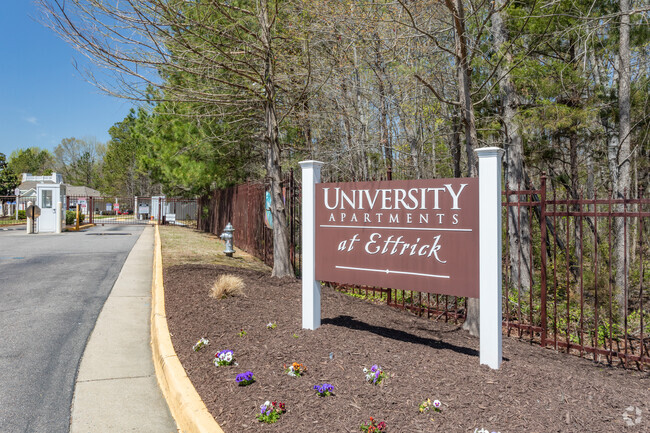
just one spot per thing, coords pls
(536, 390)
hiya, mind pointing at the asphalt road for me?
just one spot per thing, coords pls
(52, 288)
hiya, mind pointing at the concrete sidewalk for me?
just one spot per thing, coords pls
(116, 388)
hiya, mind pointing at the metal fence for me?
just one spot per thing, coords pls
(135, 210)
(112, 210)
(594, 276)
(12, 209)
(244, 207)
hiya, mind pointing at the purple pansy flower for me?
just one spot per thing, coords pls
(324, 389)
(245, 378)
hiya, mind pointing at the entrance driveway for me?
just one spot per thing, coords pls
(52, 288)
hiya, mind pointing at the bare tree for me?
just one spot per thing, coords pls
(464, 48)
(79, 160)
(237, 61)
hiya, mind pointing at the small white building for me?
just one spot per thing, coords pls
(45, 192)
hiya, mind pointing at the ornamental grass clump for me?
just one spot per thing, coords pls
(372, 426)
(295, 369)
(375, 375)
(200, 344)
(244, 379)
(227, 285)
(270, 411)
(224, 357)
(324, 390)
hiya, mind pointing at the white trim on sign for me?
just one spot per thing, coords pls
(394, 228)
(388, 271)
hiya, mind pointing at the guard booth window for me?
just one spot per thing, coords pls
(46, 198)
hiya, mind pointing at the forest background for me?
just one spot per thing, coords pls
(243, 90)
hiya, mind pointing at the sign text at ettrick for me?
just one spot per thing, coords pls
(415, 234)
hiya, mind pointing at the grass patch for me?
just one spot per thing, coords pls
(181, 245)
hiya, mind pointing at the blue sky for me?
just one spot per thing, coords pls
(43, 98)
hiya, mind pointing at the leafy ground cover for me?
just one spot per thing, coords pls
(536, 390)
(11, 220)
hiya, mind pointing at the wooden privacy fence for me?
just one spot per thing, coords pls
(575, 275)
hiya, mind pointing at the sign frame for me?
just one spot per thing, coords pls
(489, 246)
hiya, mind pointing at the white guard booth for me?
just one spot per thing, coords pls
(47, 197)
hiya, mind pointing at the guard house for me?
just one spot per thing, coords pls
(48, 192)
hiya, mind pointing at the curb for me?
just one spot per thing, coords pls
(184, 402)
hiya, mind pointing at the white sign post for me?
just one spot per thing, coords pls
(489, 190)
(310, 287)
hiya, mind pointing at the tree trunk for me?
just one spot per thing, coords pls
(455, 144)
(464, 87)
(361, 115)
(622, 186)
(519, 236)
(282, 266)
(383, 105)
(471, 138)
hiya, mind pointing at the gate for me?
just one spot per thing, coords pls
(135, 210)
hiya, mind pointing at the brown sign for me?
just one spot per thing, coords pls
(414, 234)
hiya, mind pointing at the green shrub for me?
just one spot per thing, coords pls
(71, 215)
(22, 215)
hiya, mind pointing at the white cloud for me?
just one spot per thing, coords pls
(31, 119)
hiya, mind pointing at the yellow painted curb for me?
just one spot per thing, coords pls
(184, 402)
(74, 229)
